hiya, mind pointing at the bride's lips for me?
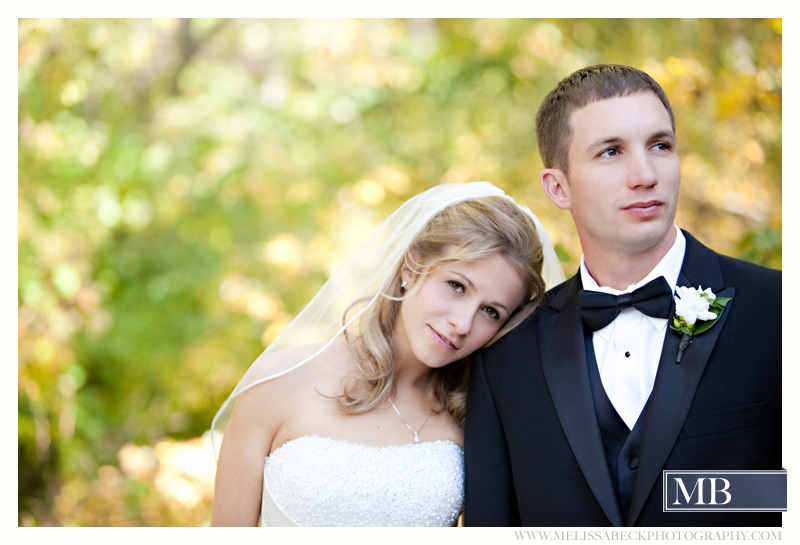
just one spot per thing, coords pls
(644, 209)
(443, 341)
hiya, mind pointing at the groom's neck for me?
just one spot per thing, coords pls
(621, 267)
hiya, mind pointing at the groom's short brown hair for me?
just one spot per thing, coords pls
(590, 84)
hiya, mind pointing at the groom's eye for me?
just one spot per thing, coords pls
(663, 146)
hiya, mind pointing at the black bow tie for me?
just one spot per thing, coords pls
(599, 309)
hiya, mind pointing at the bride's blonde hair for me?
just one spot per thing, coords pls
(466, 231)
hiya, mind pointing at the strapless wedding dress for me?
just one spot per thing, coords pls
(318, 481)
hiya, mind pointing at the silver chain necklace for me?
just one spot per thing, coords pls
(416, 433)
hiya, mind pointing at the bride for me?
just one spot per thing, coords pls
(354, 415)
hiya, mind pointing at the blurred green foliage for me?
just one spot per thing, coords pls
(185, 186)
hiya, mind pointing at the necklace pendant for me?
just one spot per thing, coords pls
(403, 420)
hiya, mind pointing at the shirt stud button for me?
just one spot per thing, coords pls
(627, 354)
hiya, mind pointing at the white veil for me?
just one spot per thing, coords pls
(364, 274)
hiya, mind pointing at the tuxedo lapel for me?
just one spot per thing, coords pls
(675, 385)
(563, 357)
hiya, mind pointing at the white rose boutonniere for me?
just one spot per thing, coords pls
(696, 310)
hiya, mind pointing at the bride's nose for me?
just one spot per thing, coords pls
(461, 318)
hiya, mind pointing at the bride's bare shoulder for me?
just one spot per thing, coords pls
(288, 371)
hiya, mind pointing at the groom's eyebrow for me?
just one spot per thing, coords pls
(604, 141)
(663, 134)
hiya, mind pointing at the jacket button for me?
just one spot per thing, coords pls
(633, 463)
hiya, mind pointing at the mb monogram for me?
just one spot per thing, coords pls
(713, 491)
(725, 490)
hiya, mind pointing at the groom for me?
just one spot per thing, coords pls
(573, 416)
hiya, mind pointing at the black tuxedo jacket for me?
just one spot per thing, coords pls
(533, 449)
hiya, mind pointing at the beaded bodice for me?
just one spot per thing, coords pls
(317, 481)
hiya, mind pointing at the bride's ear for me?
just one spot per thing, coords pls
(410, 271)
(405, 276)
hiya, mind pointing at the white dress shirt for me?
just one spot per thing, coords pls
(629, 348)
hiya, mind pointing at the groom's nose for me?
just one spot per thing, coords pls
(641, 171)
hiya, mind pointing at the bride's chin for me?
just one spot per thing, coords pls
(439, 363)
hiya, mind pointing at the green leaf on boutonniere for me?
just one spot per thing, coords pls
(716, 307)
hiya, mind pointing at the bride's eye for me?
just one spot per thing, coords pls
(492, 313)
(456, 286)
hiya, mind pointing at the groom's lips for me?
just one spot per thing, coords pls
(644, 209)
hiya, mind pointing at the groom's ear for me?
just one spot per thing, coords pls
(556, 187)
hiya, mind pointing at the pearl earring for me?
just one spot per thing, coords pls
(403, 284)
